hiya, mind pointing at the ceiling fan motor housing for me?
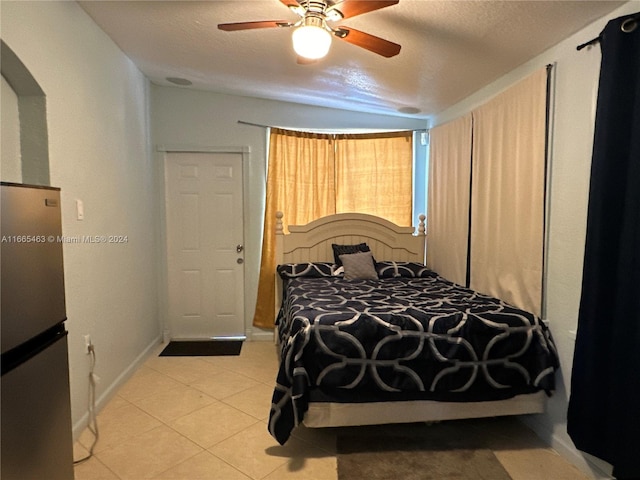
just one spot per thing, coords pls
(314, 20)
(318, 8)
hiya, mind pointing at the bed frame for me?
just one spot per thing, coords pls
(390, 242)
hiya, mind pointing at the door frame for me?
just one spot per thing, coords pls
(163, 279)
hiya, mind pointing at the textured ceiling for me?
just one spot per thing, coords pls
(450, 49)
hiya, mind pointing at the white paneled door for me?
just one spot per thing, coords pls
(205, 249)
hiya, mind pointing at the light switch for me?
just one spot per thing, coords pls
(79, 210)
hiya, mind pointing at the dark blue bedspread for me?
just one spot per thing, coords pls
(421, 336)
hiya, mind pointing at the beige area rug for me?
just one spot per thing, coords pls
(414, 458)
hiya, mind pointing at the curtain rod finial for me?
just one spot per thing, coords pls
(593, 41)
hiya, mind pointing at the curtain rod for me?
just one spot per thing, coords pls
(255, 124)
(332, 132)
(593, 41)
(628, 26)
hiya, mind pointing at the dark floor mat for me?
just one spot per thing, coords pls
(201, 348)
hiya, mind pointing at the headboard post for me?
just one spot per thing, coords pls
(422, 233)
(279, 231)
(279, 225)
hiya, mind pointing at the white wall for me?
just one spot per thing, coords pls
(575, 91)
(99, 152)
(10, 166)
(195, 119)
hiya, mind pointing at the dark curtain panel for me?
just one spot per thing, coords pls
(604, 408)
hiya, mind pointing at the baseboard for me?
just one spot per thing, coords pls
(589, 465)
(586, 463)
(261, 336)
(111, 391)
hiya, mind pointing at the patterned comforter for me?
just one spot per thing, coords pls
(415, 336)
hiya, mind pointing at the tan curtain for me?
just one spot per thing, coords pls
(507, 215)
(373, 172)
(449, 197)
(374, 175)
(300, 183)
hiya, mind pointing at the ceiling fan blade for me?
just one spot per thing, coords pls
(368, 42)
(290, 3)
(351, 8)
(232, 27)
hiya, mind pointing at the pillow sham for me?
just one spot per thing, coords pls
(313, 270)
(403, 269)
(347, 249)
(359, 266)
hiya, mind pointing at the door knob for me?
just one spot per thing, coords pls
(239, 248)
(240, 261)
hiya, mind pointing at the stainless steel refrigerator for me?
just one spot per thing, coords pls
(35, 410)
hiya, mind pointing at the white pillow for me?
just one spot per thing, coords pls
(359, 266)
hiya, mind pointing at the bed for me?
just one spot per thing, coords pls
(397, 344)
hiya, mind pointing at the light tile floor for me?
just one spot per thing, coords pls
(205, 418)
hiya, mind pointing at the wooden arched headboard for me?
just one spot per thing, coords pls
(312, 242)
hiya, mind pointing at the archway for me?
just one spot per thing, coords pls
(32, 115)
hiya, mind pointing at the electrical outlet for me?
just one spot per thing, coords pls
(87, 344)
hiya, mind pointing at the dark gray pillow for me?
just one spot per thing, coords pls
(359, 266)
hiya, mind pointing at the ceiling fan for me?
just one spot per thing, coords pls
(312, 34)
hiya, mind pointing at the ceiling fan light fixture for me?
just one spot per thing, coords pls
(311, 40)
